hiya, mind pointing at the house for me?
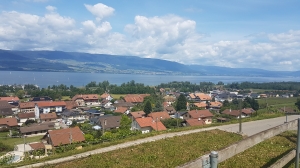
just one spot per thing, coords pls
(236, 113)
(51, 106)
(204, 115)
(170, 109)
(170, 99)
(120, 103)
(73, 115)
(135, 98)
(255, 95)
(37, 128)
(179, 114)
(27, 107)
(94, 113)
(203, 97)
(71, 105)
(215, 105)
(37, 146)
(147, 124)
(43, 98)
(64, 136)
(8, 122)
(5, 109)
(48, 117)
(202, 105)
(107, 122)
(194, 122)
(159, 115)
(106, 104)
(123, 110)
(10, 100)
(106, 96)
(285, 96)
(23, 117)
(137, 114)
(86, 99)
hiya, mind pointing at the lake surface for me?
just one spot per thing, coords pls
(45, 79)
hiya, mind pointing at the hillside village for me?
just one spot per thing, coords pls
(59, 121)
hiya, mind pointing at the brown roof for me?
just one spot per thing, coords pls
(37, 127)
(104, 95)
(202, 96)
(71, 104)
(200, 114)
(36, 146)
(200, 104)
(138, 114)
(231, 112)
(65, 136)
(247, 110)
(149, 122)
(86, 97)
(9, 122)
(51, 103)
(121, 109)
(48, 116)
(5, 108)
(135, 98)
(124, 104)
(25, 105)
(111, 121)
(215, 104)
(10, 98)
(195, 122)
(4, 104)
(160, 115)
(26, 115)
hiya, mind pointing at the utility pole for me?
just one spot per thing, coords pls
(24, 136)
(156, 124)
(71, 138)
(104, 123)
(240, 117)
(177, 118)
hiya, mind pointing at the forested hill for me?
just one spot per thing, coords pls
(103, 63)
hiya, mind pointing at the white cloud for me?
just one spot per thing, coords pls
(167, 37)
(100, 10)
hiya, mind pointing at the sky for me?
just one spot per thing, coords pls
(261, 34)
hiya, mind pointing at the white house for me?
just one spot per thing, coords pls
(147, 124)
(51, 106)
(23, 117)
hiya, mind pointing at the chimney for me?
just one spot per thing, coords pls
(230, 110)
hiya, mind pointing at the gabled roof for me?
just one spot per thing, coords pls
(200, 114)
(5, 108)
(159, 115)
(70, 104)
(48, 116)
(86, 97)
(4, 104)
(203, 97)
(124, 104)
(215, 104)
(200, 104)
(107, 121)
(137, 114)
(26, 115)
(231, 112)
(51, 103)
(10, 99)
(104, 95)
(37, 127)
(248, 110)
(43, 98)
(65, 136)
(192, 95)
(135, 98)
(195, 122)
(25, 105)
(36, 146)
(149, 122)
(9, 122)
(121, 110)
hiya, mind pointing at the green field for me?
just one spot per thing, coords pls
(169, 152)
(278, 102)
(265, 153)
(117, 96)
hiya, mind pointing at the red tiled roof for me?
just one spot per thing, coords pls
(138, 114)
(26, 115)
(195, 122)
(247, 110)
(202, 96)
(36, 146)
(51, 103)
(10, 98)
(26, 105)
(135, 98)
(48, 116)
(149, 122)
(231, 112)
(200, 114)
(86, 97)
(70, 104)
(9, 122)
(200, 104)
(104, 95)
(65, 136)
(215, 104)
(160, 115)
(192, 95)
(121, 109)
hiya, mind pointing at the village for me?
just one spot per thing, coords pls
(86, 117)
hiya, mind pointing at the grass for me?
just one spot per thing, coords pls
(278, 101)
(65, 98)
(265, 153)
(117, 96)
(169, 152)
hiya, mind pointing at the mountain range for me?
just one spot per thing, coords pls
(59, 61)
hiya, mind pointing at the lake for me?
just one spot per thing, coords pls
(45, 79)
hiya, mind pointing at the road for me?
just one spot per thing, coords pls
(248, 128)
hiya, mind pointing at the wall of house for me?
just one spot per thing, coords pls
(208, 120)
(58, 109)
(146, 130)
(28, 110)
(46, 110)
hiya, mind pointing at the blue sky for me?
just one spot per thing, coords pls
(248, 34)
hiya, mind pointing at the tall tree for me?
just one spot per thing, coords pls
(147, 107)
(125, 122)
(181, 103)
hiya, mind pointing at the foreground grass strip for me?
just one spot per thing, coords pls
(265, 153)
(169, 152)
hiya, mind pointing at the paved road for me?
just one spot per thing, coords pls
(248, 128)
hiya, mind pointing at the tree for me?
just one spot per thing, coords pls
(125, 122)
(298, 103)
(181, 103)
(147, 107)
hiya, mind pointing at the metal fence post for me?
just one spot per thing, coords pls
(213, 159)
(298, 145)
